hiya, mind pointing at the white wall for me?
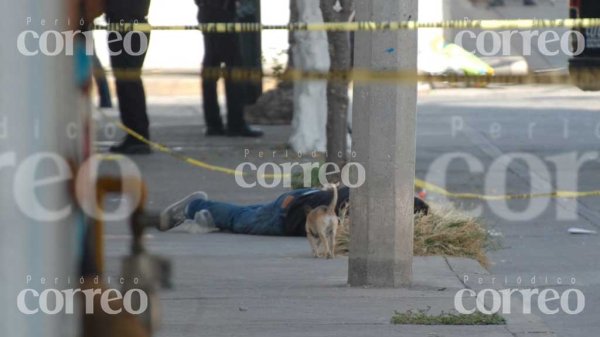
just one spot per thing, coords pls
(183, 50)
(430, 11)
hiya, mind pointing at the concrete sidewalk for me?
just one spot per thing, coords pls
(233, 285)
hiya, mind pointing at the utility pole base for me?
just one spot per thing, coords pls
(384, 120)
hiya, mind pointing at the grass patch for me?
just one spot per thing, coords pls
(423, 318)
(445, 231)
(342, 240)
(449, 232)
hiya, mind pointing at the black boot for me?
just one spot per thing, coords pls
(131, 146)
(215, 131)
(244, 131)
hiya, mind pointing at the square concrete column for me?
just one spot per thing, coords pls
(381, 247)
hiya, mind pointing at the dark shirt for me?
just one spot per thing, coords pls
(295, 220)
(216, 11)
(247, 8)
(127, 10)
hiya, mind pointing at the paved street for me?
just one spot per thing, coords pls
(566, 121)
(516, 45)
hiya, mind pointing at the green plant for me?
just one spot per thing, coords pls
(422, 317)
(447, 231)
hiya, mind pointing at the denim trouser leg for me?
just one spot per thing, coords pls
(265, 219)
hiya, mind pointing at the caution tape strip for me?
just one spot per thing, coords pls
(589, 76)
(420, 184)
(429, 187)
(167, 150)
(217, 27)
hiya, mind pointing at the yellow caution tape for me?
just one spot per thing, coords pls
(369, 76)
(429, 187)
(194, 162)
(420, 184)
(362, 26)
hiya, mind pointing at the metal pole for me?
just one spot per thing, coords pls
(38, 108)
(381, 248)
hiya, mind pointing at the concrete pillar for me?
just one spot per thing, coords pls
(310, 52)
(381, 248)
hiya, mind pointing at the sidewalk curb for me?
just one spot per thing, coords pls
(519, 325)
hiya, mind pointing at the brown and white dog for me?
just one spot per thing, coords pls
(321, 227)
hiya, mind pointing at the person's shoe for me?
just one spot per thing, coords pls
(131, 146)
(205, 222)
(175, 214)
(529, 3)
(215, 132)
(245, 131)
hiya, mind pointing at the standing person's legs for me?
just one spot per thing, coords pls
(234, 89)
(250, 49)
(210, 99)
(130, 89)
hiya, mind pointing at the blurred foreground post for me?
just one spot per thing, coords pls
(381, 245)
(40, 136)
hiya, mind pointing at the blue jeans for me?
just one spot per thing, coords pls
(267, 219)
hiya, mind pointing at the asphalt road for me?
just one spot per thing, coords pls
(542, 122)
(518, 44)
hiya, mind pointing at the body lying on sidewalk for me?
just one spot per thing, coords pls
(286, 216)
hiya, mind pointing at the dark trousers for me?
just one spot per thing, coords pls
(263, 219)
(130, 89)
(222, 48)
(251, 51)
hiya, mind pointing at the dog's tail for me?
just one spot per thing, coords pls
(333, 204)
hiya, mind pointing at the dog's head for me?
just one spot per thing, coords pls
(421, 206)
